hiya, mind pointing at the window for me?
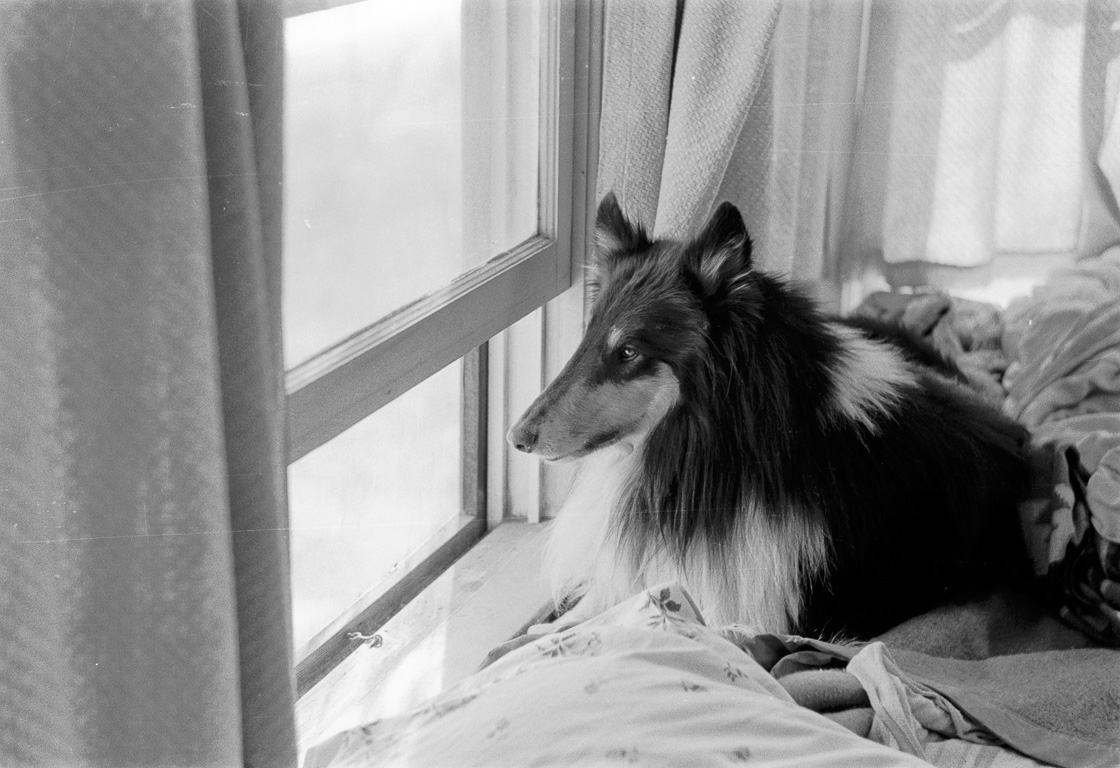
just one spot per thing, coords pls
(374, 500)
(435, 172)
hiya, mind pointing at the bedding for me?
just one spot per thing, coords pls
(999, 681)
(1058, 707)
(1051, 360)
(648, 683)
(1063, 383)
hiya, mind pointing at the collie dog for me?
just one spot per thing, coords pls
(797, 473)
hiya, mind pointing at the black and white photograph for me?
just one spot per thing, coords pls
(446, 383)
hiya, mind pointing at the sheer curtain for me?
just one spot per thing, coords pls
(869, 142)
(143, 560)
(986, 131)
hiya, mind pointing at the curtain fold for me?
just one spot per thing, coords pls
(749, 102)
(678, 82)
(981, 103)
(720, 59)
(983, 136)
(143, 575)
(639, 42)
(789, 169)
(866, 138)
(241, 66)
(1100, 126)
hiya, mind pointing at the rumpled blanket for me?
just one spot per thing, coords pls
(645, 683)
(1052, 362)
(1063, 383)
(648, 683)
(1057, 707)
(970, 333)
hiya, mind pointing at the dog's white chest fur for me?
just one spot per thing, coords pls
(753, 577)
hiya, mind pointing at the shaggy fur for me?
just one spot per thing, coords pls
(795, 472)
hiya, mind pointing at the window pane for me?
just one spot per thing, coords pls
(367, 504)
(410, 154)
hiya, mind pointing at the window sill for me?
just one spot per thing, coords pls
(489, 595)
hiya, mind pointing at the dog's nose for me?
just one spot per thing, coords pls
(522, 438)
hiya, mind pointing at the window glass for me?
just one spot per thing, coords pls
(366, 506)
(410, 155)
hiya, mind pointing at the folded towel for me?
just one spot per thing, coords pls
(834, 693)
(1060, 707)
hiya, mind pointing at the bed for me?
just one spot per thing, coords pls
(1002, 681)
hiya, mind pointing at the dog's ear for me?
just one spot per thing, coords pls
(615, 235)
(616, 238)
(720, 256)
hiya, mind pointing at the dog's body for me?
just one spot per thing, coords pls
(796, 473)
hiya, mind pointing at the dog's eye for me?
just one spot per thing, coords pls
(627, 354)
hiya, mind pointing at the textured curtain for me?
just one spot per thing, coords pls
(711, 100)
(884, 136)
(143, 559)
(678, 82)
(987, 128)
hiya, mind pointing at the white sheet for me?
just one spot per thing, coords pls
(645, 683)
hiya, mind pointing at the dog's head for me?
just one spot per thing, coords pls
(649, 334)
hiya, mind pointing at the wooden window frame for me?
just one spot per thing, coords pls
(351, 379)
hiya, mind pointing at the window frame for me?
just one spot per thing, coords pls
(349, 380)
(352, 378)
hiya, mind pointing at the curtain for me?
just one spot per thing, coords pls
(678, 83)
(143, 560)
(879, 138)
(711, 100)
(982, 133)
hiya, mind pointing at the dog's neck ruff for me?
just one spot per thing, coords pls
(754, 577)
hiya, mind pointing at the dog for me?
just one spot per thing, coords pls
(796, 472)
